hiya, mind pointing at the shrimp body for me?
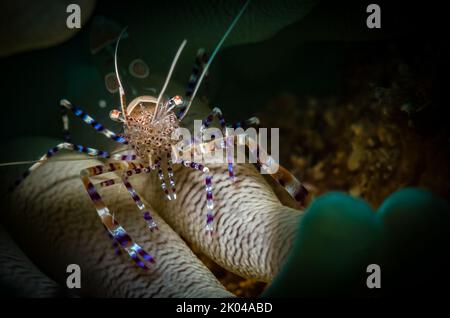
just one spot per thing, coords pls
(149, 136)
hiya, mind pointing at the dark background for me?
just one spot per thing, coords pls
(306, 58)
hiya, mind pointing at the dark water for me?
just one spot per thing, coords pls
(320, 56)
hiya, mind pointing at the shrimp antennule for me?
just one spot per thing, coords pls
(121, 90)
(169, 75)
(211, 58)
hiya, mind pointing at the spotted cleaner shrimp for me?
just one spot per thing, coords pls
(148, 125)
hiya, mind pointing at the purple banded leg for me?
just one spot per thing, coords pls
(229, 148)
(231, 172)
(228, 141)
(107, 183)
(124, 157)
(115, 245)
(281, 175)
(161, 179)
(200, 62)
(217, 113)
(128, 173)
(66, 105)
(141, 206)
(209, 227)
(251, 122)
(51, 152)
(119, 234)
(171, 179)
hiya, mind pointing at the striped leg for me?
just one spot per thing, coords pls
(217, 113)
(66, 105)
(139, 168)
(122, 157)
(209, 195)
(119, 234)
(282, 176)
(228, 142)
(262, 160)
(251, 122)
(200, 62)
(115, 245)
(287, 180)
(161, 179)
(170, 174)
(51, 152)
(145, 213)
(229, 148)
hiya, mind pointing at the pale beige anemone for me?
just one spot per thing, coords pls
(56, 224)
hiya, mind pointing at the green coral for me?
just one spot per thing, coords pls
(340, 236)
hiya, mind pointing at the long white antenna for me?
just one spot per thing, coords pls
(219, 45)
(121, 90)
(169, 75)
(17, 163)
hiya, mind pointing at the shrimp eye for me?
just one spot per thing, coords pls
(178, 100)
(116, 115)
